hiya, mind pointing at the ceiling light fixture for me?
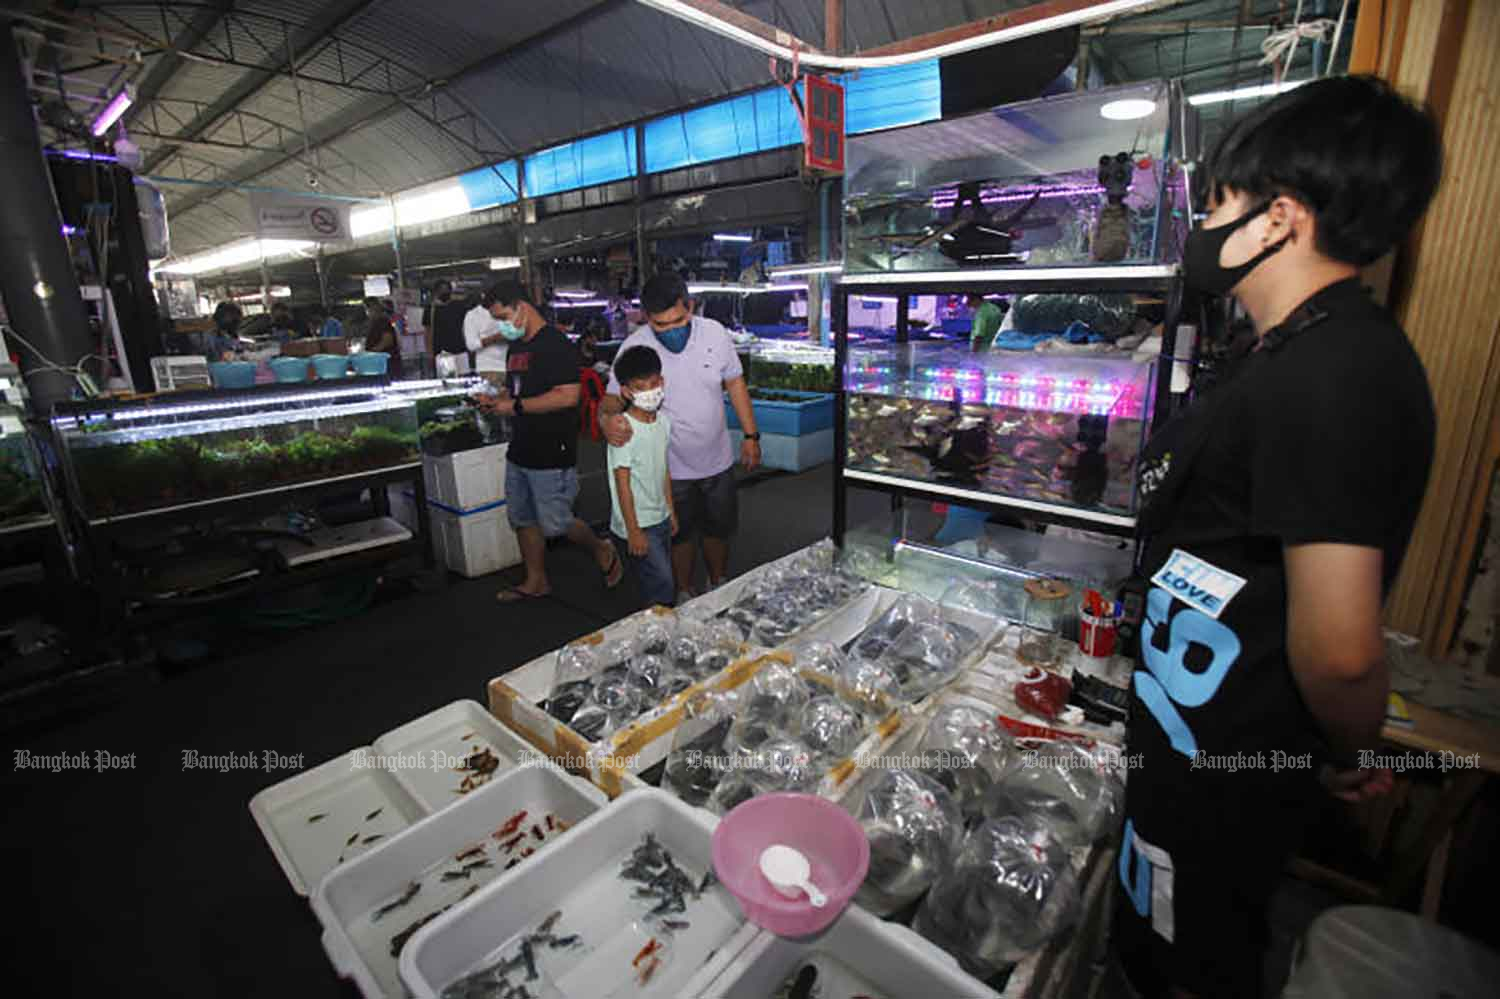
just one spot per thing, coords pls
(113, 111)
(1244, 93)
(1127, 109)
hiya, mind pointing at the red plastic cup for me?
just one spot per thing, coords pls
(1096, 634)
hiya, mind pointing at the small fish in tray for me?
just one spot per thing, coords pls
(494, 981)
(396, 903)
(661, 880)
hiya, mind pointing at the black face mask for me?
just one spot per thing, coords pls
(1200, 256)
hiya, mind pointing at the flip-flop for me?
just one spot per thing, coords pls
(513, 595)
(616, 571)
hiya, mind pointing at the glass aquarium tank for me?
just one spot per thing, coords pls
(1079, 179)
(173, 449)
(1047, 427)
(790, 367)
(21, 497)
(448, 419)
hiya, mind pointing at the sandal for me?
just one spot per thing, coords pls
(516, 595)
(615, 571)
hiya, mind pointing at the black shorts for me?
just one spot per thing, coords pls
(710, 507)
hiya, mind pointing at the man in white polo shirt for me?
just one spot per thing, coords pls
(699, 365)
(483, 338)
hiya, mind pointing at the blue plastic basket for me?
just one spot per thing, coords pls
(289, 369)
(331, 365)
(232, 374)
(373, 363)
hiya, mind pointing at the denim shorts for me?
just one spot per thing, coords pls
(706, 506)
(541, 497)
(653, 570)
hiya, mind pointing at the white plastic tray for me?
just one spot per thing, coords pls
(346, 898)
(858, 955)
(419, 754)
(344, 791)
(580, 878)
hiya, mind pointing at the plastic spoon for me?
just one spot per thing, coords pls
(788, 871)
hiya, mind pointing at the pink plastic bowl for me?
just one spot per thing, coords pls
(834, 844)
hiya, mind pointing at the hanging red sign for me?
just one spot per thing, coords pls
(823, 126)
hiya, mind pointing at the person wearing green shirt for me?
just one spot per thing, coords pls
(987, 319)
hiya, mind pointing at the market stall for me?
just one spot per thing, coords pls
(958, 700)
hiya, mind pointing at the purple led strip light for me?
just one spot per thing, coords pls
(949, 197)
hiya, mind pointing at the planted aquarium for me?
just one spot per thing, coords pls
(1053, 428)
(1079, 179)
(132, 457)
(448, 420)
(790, 367)
(21, 497)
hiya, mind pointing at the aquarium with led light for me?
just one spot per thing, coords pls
(781, 366)
(181, 448)
(1051, 428)
(1085, 179)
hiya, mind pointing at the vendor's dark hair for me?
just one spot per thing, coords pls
(227, 312)
(1363, 158)
(507, 293)
(637, 362)
(662, 292)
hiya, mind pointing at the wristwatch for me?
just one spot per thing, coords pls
(753, 437)
(518, 409)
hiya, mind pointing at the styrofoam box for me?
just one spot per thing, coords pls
(474, 544)
(345, 790)
(466, 480)
(858, 955)
(791, 452)
(580, 877)
(346, 898)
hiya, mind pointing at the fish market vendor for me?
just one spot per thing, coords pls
(986, 322)
(1274, 515)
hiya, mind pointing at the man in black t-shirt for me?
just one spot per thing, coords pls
(445, 321)
(1275, 512)
(541, 482)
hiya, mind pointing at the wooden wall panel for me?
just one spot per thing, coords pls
(1451, 308)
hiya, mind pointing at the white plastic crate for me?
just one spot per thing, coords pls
(347, 897)
(466, 480)
(476, 543)
(858, 955)
(580, 877)
(308, 820)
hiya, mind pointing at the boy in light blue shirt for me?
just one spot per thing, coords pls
(643, 519)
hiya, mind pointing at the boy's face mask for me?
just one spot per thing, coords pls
(649, 400)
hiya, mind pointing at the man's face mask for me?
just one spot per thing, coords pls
(1200, 255)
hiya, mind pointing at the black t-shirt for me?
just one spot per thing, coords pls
(446, 320)
(535, 367)
(1326, 436)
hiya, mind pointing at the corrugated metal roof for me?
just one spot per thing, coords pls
(585, 74)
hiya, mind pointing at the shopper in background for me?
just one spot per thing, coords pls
(326, 324)
(483, 337)
(541, 481)
(282, 328)
(380, 335)
(642, 518)
(1275, 514)
(986, 322)
(445, 322)
(699, 364)
(224, 341)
